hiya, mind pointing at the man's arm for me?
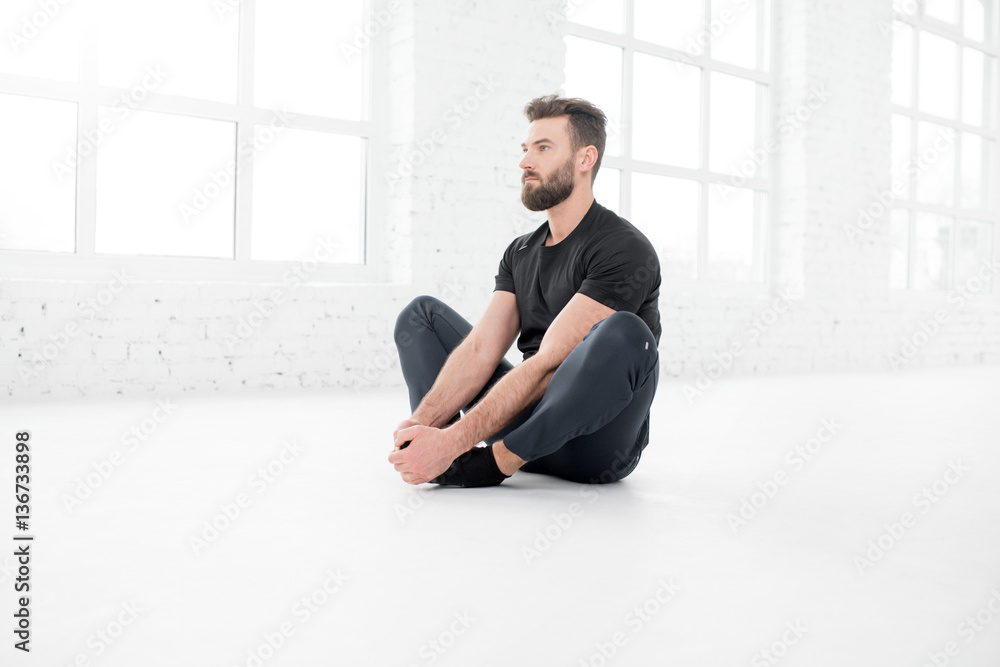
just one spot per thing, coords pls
(472, 363)
(527, 382)
(432, 450)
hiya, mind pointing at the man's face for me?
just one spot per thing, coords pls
(548, 165)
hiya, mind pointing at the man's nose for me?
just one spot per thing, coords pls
(526, 163)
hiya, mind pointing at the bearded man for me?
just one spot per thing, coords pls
(580, 296)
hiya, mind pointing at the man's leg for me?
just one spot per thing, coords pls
(427, 331)
(592, 423)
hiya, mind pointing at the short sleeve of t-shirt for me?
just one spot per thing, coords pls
(505, 275)
(622, 272)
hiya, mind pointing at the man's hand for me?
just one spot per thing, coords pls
(430, 453)
(406, 423)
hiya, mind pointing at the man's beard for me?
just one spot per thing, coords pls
(545, 195)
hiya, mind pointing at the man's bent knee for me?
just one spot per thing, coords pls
(412, 315)
(622, 340)
(625, 328)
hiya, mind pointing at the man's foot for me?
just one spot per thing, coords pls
(477, 467)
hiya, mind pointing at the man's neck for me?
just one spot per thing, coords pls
(565, 216)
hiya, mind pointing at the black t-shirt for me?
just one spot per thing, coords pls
(604, 257)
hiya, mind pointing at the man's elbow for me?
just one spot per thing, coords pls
(481, 349)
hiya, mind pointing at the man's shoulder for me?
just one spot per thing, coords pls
(613, 232)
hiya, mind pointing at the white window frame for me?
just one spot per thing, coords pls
(627, 165)
(85, 264)
(920, 22)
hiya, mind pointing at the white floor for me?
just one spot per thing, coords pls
(538, 571)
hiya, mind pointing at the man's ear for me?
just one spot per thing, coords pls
(587, 158)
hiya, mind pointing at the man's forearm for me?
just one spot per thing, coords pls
(517, 390)
(460, 380)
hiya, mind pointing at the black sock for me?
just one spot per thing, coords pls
(476, 467)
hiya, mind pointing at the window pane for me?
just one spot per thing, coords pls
(736, 40)
(978, 85)
(977, 170)
(37, 201)
(156, 194)
(40, 43)
(899, 251)
(666, 211)
(901, 155)
(594, 72)
(679, 24)
(308, 187)
(932, 247)
(989, 92)
(299, 63)
(974, 19)
(902, 64)
(938, 60)
(732, 125)
(972, 86)
(191, 41)
(666, 111)
(730, 233)
(944, 10)
(989, 19)
(973, 249)
(603, 14)
(935, 164)
(608, 189)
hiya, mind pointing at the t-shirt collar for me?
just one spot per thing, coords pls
(586, 221)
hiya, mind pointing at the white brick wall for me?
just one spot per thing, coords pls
(153, 338)
(452, 214)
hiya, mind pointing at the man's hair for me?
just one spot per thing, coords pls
(586, 122)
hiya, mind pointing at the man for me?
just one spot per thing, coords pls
(580, 295)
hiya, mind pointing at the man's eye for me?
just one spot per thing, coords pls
(543, 148)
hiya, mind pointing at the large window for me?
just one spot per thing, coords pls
(944, 141)
(230, 131)
(686, 86)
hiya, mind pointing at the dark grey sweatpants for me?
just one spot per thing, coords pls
(592, 423)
